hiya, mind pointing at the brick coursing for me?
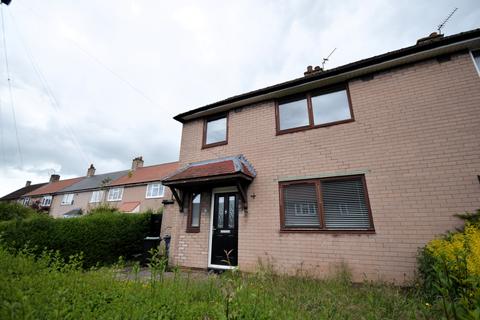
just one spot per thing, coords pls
(416, 134)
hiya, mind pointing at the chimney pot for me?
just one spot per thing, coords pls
(91, 171)
(28, 183)
(137, 163)
(54, 177)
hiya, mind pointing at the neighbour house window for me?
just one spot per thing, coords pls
(215, 131)
(193, 223)
(26, 201)
(115, 194)
(155, 190)
(46, 201)
(339, 203)
(476, 59)
(97, 196)
(67, 199)
(313, 109)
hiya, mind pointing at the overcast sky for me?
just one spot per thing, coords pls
(99, 81)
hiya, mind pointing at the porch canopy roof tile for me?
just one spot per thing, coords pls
(215, 169)
(233, 170)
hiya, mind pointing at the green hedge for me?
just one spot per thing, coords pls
(102, 237)
(14, 210)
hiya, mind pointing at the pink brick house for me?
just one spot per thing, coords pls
(360, 165)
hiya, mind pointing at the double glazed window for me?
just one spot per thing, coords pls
(46, 201)
(476, 59)
(154, 190)
(193, 223)
(97, 196)
(339, 203)
(67, 199)
(115, 194)
(314, 109)
(215, 131)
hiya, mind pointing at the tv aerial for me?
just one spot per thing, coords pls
(326, 59)
(441, 25)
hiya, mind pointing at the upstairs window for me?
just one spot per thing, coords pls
(67, 199)
(332, 204)
(154, 190)
(97, 196)
(46, 201)
(215, 131)
(115, 194)
(313, 109)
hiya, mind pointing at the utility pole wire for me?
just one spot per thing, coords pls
(98, 61)
(9, 80)
(53, 99)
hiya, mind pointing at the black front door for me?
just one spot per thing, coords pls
(225, 230)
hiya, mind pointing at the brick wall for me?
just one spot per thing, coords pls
(416, 135)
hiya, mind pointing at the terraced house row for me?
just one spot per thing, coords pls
(131, 191)
(358, 165)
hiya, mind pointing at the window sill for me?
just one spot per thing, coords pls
(216, 144)
(344, 231)
(156, 197)
(193, 230)
(66, 204)
(114, 200)
(304, 128)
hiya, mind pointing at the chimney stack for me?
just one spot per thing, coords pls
(431, 38)
(137, 163)
(311, 70)
(28, 183)
(54, 177)
(91, 171)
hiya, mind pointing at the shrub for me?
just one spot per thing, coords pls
(102, 237)
(14, 210)
(449, 269)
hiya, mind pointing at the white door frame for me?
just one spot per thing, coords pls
(212, 208)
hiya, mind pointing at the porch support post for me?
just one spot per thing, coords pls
(177, 197)
(243, 195)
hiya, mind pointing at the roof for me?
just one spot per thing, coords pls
(129, 206)
(22, 191)
(95, 181)
(395, 57)
(146, 174)
(54, 187)
(213, 168)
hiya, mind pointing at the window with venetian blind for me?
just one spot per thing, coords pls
(339, 203)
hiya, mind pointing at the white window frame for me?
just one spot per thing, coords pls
(477, 67)
(152, 186)
(97, 199)
(67, 199)
(46, 201)
(114, 195)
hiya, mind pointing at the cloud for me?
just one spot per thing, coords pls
(120, 70)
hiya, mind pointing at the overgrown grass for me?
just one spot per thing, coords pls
(46, 288)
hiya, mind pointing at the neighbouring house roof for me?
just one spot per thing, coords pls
(54, 187)
(129, 206)
(209, 169)
(146, 174)
(22, 191)
(95, 181)
(425, 49)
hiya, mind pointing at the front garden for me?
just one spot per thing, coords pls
(75, 269)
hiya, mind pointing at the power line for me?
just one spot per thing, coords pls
(53, 99)
(12, 103)
(98, 61)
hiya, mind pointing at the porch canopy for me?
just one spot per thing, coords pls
(227, 171)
